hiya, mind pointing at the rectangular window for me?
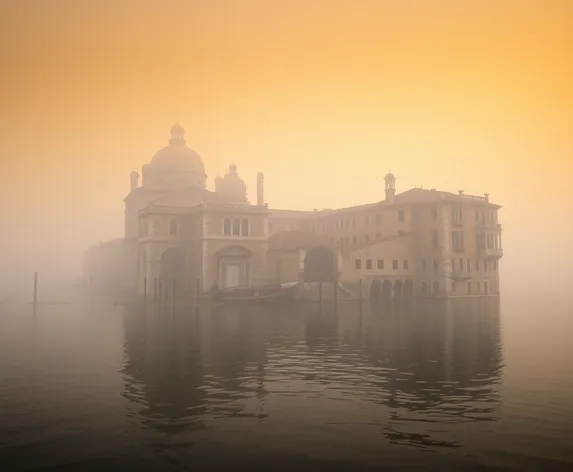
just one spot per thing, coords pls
(469, 288)
(477, 265)
(485, 266)
(369, 264)
(461, 265)
(394, 264)
(454, 287)
(458, 241)
(469, 265)
(380, 264)
(453, 265)
(436, 265)
(478, 285)
(358, 264)
(405, 265)
(457, 215)
(400, 215)
(434, 213)
(173, 228)
(435, 239)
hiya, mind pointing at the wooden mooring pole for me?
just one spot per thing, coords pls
(335, 294)
(198, 288)
(360, 294)
(174, 291)
(144, 289)
(35, 296)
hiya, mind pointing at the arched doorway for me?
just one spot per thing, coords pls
(408, 291)
(376, 291)
(387, 290)
(398, 289)
(172, 271)
(320, 265)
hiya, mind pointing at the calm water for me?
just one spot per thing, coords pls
(476, 384)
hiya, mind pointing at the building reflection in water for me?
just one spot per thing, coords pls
(417, 370)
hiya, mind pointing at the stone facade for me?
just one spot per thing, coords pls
(180, 237)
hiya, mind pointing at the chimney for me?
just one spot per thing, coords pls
(134, 177)
(486, 197)
(460, 192)
(260, 190)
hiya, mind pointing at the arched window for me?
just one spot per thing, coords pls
(245, 227)
(173, 228)
(236, 227)
(227, 227)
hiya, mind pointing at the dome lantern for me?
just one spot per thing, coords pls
(177, 134)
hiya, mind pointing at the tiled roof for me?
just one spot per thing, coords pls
(420, 195)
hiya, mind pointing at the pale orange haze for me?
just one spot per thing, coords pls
(324, 97)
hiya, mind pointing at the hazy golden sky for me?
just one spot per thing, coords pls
(322, 96)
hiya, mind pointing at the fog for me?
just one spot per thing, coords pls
(324, 100)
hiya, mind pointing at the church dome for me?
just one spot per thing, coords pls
(232, 187)
(177, 154)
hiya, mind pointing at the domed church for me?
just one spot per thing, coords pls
(182, 237)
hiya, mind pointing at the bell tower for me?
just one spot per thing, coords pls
(390, 187)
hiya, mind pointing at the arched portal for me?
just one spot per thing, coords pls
(320, 265)
(172, 270)
(398, 285)
(376, 290)
(387, 290)
(408, 290)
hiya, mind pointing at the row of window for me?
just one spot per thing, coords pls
(380, 264)
(457, 266)
(231, 227)
(236, 227)
(436, 287)
(173, 228)
(376, 220)
(487, 240)
(478, 286)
